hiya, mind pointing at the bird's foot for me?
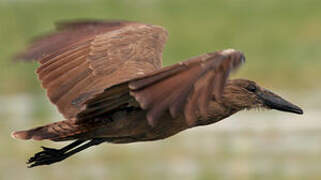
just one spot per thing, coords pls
(46, 157)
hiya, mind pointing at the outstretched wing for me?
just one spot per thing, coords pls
(83, 58)
(184, 88)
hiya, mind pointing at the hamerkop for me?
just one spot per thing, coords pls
(107, 79)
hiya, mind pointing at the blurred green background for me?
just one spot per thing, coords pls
(282, 43)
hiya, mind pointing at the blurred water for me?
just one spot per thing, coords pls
(248, 145)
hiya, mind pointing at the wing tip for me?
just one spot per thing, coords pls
(24, 135)
(230, 51)
(26, 56)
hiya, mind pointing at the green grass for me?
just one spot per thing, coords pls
(281, 39)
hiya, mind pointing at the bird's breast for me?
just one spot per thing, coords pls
(133, 126)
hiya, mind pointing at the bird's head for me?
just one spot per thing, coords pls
(245, 94)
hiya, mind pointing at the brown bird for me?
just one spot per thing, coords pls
(107, 80)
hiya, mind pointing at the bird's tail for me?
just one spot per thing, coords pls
(58, 131)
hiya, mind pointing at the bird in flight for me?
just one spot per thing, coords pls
(106, 78)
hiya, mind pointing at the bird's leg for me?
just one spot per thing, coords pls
(54, 152)
(50, 155)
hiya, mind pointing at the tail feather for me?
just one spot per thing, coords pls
(57, 131)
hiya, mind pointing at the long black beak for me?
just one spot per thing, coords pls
(274, 101)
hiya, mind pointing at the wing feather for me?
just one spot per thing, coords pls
(109, 100)
(188, 89)
(69, 32)
(83, 58)
(62, 59)
(181, 89)
(92, 68)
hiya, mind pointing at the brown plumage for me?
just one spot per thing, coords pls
(107, 81)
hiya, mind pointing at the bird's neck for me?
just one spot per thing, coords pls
(217, 112)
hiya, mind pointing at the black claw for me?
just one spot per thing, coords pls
(46, 157)
(51, 155)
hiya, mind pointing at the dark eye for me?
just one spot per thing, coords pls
(251, 88)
